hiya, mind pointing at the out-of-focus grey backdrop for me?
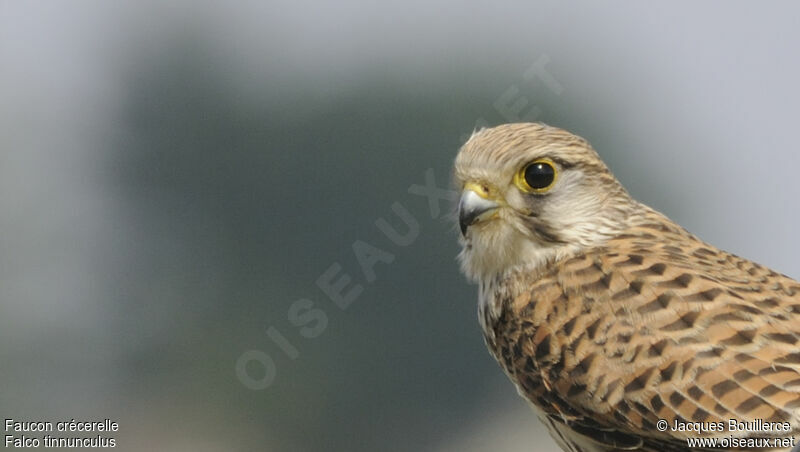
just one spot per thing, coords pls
(175, 176)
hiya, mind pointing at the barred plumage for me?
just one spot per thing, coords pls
(608, 316)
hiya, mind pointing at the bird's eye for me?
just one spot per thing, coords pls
(537, 176)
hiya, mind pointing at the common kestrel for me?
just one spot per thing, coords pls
(624, 331)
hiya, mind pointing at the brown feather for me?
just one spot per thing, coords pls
(648, 324)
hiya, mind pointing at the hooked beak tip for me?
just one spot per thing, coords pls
(473, 208)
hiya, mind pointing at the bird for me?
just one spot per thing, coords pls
(623, 330)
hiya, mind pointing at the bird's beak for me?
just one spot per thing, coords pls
(475, 206)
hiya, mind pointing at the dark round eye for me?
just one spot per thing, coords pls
(539, 175)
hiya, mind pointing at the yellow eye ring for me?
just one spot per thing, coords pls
(538, 176)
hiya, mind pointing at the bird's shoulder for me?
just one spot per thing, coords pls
(653, 325)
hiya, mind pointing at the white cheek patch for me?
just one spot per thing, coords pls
(498, 247)
(576, 211)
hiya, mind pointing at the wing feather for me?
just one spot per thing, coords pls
(656, 325)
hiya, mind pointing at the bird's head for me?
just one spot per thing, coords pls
(532, 194)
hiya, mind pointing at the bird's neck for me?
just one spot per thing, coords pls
(500, 286)
(495, 290)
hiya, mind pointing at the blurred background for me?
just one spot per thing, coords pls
(175, 176)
